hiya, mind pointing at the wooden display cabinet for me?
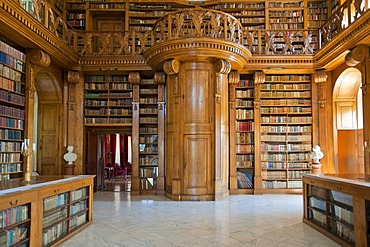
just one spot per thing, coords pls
(338, 207)
(45, 213)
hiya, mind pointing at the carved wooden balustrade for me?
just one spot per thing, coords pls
(349, 12)
(198, 23)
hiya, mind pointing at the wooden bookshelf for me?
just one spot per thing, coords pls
(317, 13)
(338, 207)
(286, 15)
(12, 115)
(108, 100)
(148, 135)
(47, 212)
(244, 104)
(286, 130)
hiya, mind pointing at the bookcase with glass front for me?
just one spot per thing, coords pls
(148, 135)
(12, 114)
(244, 104)
(286, 130)
(108, 100)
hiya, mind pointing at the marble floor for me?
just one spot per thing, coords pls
(239, 220)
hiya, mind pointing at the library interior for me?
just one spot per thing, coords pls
(183, 100)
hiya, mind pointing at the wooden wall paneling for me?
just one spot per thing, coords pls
(159, 78)
(91, 165)
(233, 182)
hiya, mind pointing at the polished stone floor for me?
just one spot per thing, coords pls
(239, 220)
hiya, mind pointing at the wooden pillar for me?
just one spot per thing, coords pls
(160, 79)
(259, 78)
(324, 132)
(134, 79)
(360, 56)
(73, 131)
(234, 78)
(36, 61)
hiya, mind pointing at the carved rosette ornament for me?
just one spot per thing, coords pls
(234, 78)
(171, 67)
(357, 55)
(39, 58)
(320, 77)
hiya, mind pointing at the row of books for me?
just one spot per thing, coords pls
(148, 111)
(12, 97)
(148, 139)
(148, 120)
(244, 103)
(11, 112)
(10, 146)
(244, 148)
(297, 174)
(284, 94)
(282, 157)
(10, 134)
(285, 147)
(78, 194)
(9, 50)
(298, 86)
(149, 161)
(287, 78)
(5, 168)
(286, 110)
(55, 201)
(11, 123)
(11, 74)
(244, 137)
(51, 234)
(149, 172)
(11, 85)
(244, 114)
(13, 215)
(148, 183)
(286, 102)
(148, 100)
(76, 221)
(13, 236)
(97, 120)
(110, 112)
(10, 157)
(245, 126)
(244, 93)
(148, 130)
(77, 207)
(149, 148)
(285, 119)
(286, 129)
(55, 216)
(288, 138)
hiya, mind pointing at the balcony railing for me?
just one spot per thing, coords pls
(191, 23)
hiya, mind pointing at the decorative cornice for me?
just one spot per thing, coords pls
(185, 49)
(91, 63)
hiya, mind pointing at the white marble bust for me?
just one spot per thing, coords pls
(70, 157)
(316, 154)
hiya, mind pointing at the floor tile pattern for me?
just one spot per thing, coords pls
(239, 220)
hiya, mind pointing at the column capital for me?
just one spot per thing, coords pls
(38, 57)
(320, 76)
(259, 77)
(73, 77)
(222, 66)
(234, 77)
(159, 78)
(134, 78)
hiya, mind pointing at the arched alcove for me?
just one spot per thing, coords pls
(47, 134)
(348, 123)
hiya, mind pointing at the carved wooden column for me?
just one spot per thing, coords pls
(360, 57)
(36, 61)
(234, 78)
(160, 79)
(134, 79)
(259, 78)
(73, 133)
(221, 69)
(324, 134)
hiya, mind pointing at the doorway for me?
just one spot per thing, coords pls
(109, 157)
(348, 122)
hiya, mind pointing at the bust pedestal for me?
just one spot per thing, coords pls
(316, 168)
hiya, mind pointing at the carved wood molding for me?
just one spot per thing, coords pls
(320, 76)
(171, 67)
(234, 77)
(259, 78)
(357, 55)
